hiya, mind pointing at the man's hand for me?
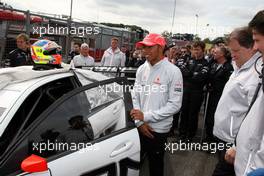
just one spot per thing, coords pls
(230, 155)
(146, 130)
(137, 115)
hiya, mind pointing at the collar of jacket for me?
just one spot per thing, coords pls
(249, 63)
(157, 65)
(109, 50)
(85, 56)
(25, 51)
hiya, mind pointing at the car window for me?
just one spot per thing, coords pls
(38, 101)
(49, 94)
(103, 94)
(72, 123)
(78, 121)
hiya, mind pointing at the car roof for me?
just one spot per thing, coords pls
(15, 81)
(24, 75)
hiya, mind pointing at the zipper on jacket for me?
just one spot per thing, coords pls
(231, 126)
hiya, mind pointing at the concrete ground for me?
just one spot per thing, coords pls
(187, 163)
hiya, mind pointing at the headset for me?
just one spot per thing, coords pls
(260, 73)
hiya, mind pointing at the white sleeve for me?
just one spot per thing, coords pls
(103, 60)
(72, 64)
(123, 60)
(74, 61)
(93, 62)
(257, 137)
(251, 92)
(258, 158)
(136, 97)
(135, 93)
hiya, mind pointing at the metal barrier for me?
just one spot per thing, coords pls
(129, 72)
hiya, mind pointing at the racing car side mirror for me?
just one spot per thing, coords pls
(34, 163)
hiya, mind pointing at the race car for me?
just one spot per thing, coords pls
(65, 122)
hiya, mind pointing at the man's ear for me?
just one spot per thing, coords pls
(161, 50)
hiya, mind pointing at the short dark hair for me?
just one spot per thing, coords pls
(77, 44)
(226, 52)
(243, 36)
(188, 46)
(257, 23)
(198, 44)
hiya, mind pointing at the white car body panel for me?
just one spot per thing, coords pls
(111, 150)
(98, 155)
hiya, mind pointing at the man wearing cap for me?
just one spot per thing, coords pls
(83, 59)
(157, 95)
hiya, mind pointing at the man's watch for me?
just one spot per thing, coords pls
(138, 123)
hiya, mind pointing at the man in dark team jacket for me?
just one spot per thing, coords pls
(21, 55)
(220, 71)
(195, 72)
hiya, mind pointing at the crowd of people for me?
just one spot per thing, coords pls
(79, 55)
(228, 78)
(232, 76)
(113, 56)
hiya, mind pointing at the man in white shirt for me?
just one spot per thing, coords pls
(113, 56)
(157, 96)
(249, 149)
(237, 95)
(83, 59)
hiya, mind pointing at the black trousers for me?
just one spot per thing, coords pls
(154, 148)
(222, 167)
(175, 121)
(191, 104)
(213, 100)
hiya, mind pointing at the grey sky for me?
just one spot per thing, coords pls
(155, 15)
